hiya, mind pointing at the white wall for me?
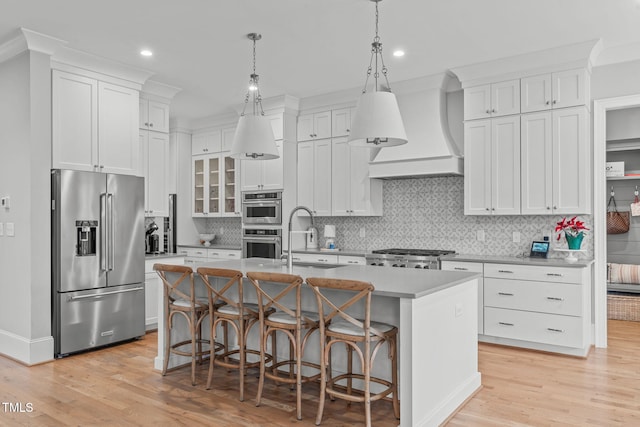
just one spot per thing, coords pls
(25, 134)
(615, 80)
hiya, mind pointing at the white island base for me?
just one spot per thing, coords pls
(436, 313)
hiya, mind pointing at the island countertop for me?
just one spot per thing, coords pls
(392, 282)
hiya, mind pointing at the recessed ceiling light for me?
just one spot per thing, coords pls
(398, 53)
(146, 52)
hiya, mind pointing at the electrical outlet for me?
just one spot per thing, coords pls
(1, 229)
(516, 237)
(10, 229)
(221, 231)
(480, 235)
(458, 309)
(362, 232)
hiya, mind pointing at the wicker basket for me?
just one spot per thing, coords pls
(623, 307)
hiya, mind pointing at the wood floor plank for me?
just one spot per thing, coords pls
(118, 386)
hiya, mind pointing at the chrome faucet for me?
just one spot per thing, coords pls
(289, 255)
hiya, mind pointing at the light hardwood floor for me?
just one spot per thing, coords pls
(117, 386)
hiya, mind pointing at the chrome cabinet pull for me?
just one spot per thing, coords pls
(505, 324)
(506, 294)
(505, 271)
(460, 268)
(555, 330)
(555, 299)
(554, 274)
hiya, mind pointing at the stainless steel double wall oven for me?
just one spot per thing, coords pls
(262, 224)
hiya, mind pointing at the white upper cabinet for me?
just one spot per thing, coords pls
(314, 126)
(492, 167)
(277, 125)
(227, 135)
(118, 139)
(155, 157)
(353, 192)
(263, 174)
(555, 90)
(74, 122)
(206, 142)
(314, 176)
(555, 162)
(341, 122)
(154, 116)
(492, 100)
(94, 125)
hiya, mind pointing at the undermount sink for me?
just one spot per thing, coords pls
(316, 265)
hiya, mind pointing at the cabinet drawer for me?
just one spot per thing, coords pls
(319, 258)
(224, 253)
(534, 272)
(473, 267)
(545, 297)
(535, 327)
(351, 260)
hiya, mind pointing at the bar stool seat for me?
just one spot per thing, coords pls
(342, 327)
(282, 317)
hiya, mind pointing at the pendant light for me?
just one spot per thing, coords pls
(254, 138)
(377, 121)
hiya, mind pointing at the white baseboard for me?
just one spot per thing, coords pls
(450, 404)
(24, 350)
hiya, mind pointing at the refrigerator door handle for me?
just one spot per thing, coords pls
(75, 298)
(103, 232)
(112, 234)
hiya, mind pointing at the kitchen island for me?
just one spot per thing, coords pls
(436, 313)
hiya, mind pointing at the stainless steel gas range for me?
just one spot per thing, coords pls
(407, 258)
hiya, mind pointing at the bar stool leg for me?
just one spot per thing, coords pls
(167, 344)
(349, 371)
(393, 351)
(194, 347)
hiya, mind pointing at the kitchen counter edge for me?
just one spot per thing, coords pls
(497, 259)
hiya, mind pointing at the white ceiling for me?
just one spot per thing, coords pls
(314, 47)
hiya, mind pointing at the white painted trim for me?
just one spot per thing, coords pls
(41, 42)
(600, 108)
(24, 350)
(157, 91)
(451, 403)
(12, 48)
(566, 57)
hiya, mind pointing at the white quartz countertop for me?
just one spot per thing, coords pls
(495, 259)
(391, 282)
(159, 256)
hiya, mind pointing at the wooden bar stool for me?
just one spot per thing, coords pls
(291, 322)
(338, 326)
(183, 302)
(230, 310)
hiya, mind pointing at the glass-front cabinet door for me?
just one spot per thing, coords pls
(215, 186)
(231, 188)
(198, 186)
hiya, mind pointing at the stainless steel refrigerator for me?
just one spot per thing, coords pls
(97, 223)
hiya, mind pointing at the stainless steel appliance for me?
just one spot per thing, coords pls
(152, 241)
(170, 230)
(97, 224)
(407, 258)
(262, 208)
(262, 243)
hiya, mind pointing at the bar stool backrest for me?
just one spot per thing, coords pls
(267, 300)
(172, 291)
(224, 294)
(328, 310)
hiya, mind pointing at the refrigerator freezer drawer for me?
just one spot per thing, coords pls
(98, 317)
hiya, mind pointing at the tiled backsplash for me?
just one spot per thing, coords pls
(428, 213)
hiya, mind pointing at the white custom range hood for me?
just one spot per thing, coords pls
(431, 150)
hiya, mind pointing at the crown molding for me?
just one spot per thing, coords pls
(153, 90)
(30, 40)
(579, 55)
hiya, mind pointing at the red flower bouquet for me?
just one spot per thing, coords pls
(572, 227)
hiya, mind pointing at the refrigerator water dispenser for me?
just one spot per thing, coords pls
(86, 238)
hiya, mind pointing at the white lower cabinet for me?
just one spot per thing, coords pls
(315, 258)
(200, 255)
(543, 308)
(153, 289)
(352, 260)
(471, 267)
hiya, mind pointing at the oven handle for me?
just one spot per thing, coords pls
(261, 239)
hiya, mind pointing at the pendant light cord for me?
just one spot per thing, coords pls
(376, 50)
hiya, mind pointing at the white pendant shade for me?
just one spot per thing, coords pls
(254, 139)
(377, 121)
